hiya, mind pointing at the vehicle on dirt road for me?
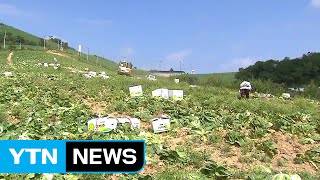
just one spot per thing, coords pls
(124, 68)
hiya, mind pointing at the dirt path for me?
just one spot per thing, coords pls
(9, 59)
(55, 53)
(74, 69)
(97, 107)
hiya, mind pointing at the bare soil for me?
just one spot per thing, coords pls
(97, 107)
(57, 53)
(288, 147)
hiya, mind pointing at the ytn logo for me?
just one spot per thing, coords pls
(60, 156)
(45, 154)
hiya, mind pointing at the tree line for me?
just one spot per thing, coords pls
(12, 39)
(15, 40)
(290, 72)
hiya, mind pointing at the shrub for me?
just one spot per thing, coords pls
(218, 82)
(12, 47)
(312, 91)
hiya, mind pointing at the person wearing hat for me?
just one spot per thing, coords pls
(245, 89)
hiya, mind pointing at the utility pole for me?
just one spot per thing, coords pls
(58, 44)
(79, 51)
(88, 54)
(180, 65)
(4, 39)
(61, 45)
(97, 61)
(44, 43)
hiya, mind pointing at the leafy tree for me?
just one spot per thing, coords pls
(291, 72)
(19, 39)
(40, 42)
(12, 47)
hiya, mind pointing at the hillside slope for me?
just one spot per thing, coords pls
(17, 32)
(32, 42)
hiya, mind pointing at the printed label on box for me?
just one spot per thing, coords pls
(176, 94)
(103, 124)
(135, 91)
(160, 125)
(164, 93)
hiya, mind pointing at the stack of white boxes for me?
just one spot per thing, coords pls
(164, 93)
(110, 123)
(105, 124)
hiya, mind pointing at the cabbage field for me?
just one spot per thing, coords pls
(214, 134)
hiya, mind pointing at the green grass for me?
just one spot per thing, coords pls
(27, 36)
(215, 79)
(229, 76)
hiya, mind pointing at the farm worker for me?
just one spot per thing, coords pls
(245, 89)
(55, 60)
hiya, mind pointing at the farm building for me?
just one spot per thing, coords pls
(166, 73)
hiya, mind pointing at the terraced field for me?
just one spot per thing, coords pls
(214, 135)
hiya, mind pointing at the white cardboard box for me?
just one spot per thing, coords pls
(135, 91)
(135, 122)
(176, 94)
(164, 93)
(156, 93)
(92, 73)
(105, 124)
(160, 125)
(286, 95)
